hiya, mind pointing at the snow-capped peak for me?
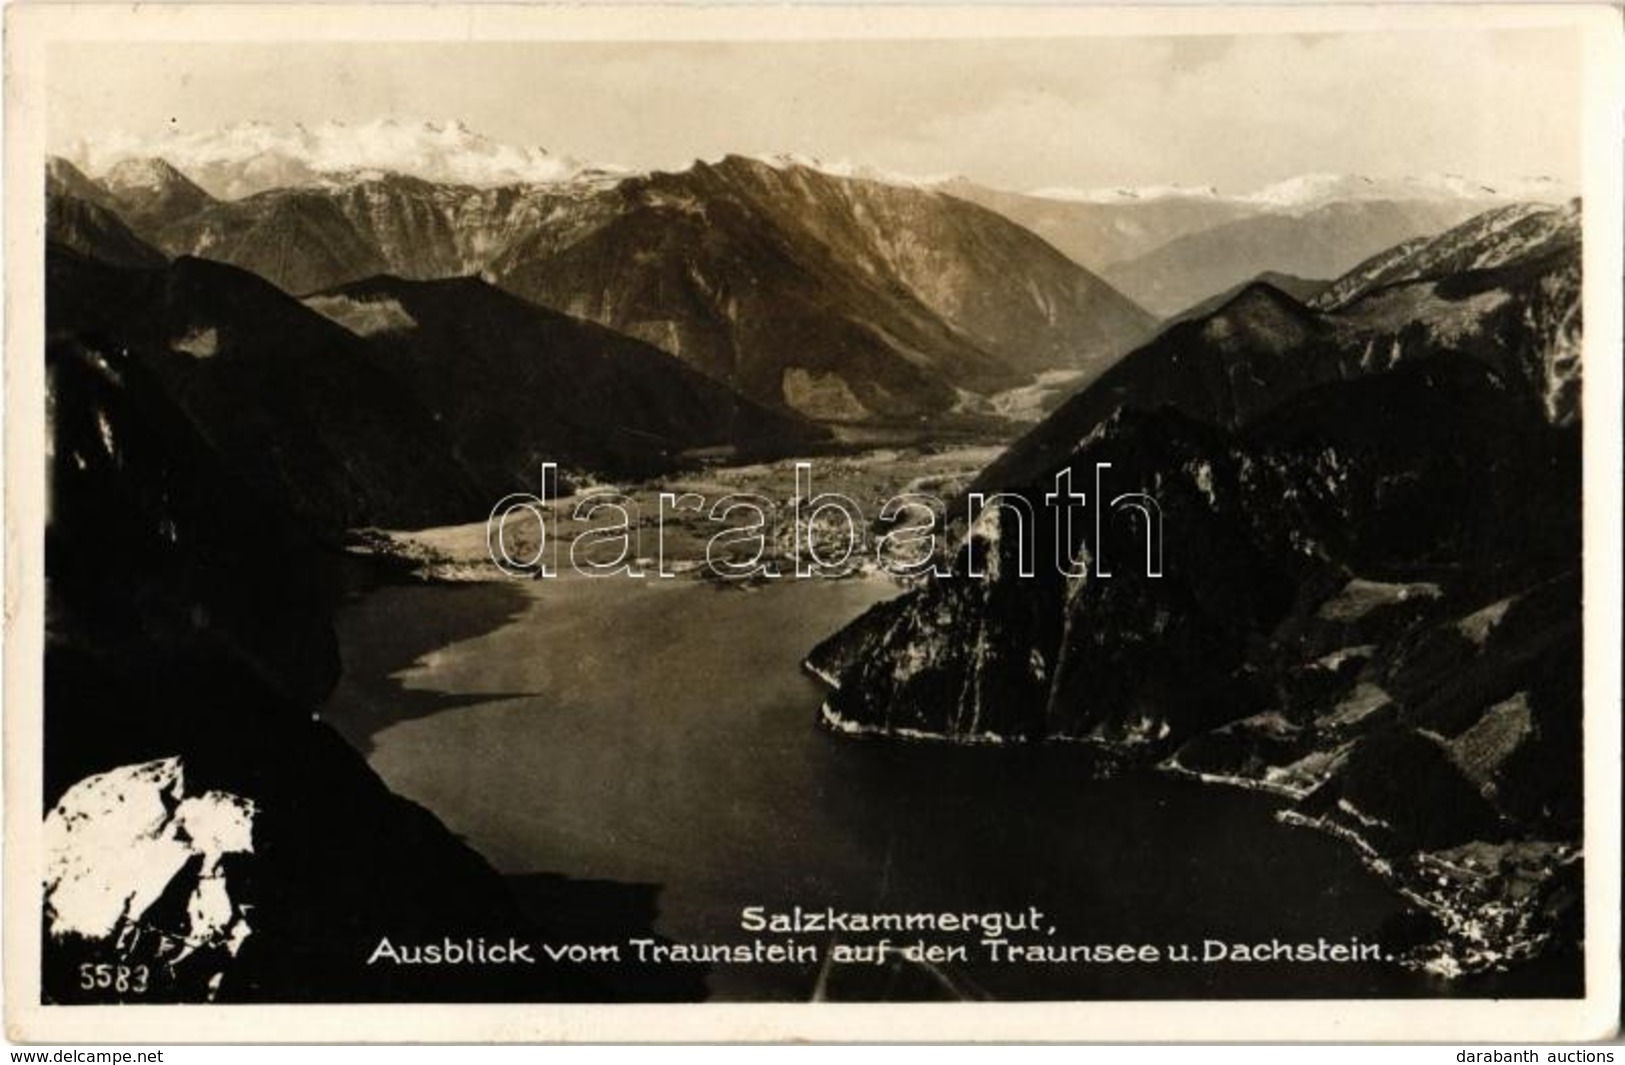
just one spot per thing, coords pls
(1143, 194)
(247, 157)
(844, 168)
(150, 174)
(1306, 192)
(1313, 190)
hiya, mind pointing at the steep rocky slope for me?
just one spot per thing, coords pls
(1301, 289)
(840, 298)
(303, 408)
(1366, 526)
(209, 838)
(96, 232)
(151, 194)
(515, 385)
(62, 178)
(1522, 232)
(82, 214)
(1520, 316)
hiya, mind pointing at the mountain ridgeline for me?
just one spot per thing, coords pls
(843, 300)
(1171, 248)
(1348, 430)
(1368, 599)
(1323, 241)
(516, 384)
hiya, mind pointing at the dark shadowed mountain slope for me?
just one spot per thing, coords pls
(1432, 487)
(301, 407)
(96, 232)
(1521, 318)
(1323, 242)
(299, 240)
(62, 178)
(515, 384)
(1302, 289)
(1367, 598)
(1368, 603)
(188, 646)
(151, 194)
(1221, 369)
(840, 298)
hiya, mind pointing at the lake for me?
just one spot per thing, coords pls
(661, 732)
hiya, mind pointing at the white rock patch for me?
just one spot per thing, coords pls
(117, 841)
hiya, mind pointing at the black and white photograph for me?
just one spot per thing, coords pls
(1081, 512)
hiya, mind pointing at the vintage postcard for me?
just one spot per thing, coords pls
(861, 523)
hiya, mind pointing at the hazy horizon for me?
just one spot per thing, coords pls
(1237, 111)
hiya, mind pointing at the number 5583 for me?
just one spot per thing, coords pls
(124, 979)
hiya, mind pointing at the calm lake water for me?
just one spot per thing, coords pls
(661, 733)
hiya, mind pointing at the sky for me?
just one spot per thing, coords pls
(1236, 112)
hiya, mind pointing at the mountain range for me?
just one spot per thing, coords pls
(1170, 247)
(834, 298)
(1367, 600)
(247, 157)
(1313, 225)
(1364, 453)
(1321, 242)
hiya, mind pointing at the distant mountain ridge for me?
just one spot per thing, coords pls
(1312, 190)
(1169, 247)
(1522, 231)
(244, 158)
(843, 292)
(1323, 241)
(1262, 346)
(1095, 226)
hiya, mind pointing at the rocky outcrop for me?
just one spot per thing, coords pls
(137, 863)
